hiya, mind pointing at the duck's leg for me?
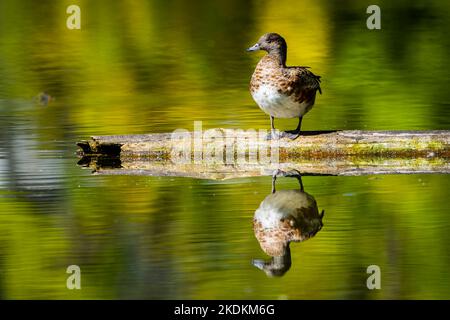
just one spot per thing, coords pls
(274, 180)
(295, 174)
(293, 134)
(273, 133)
(291, 173)
(299, 178)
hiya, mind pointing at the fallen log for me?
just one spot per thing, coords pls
(219, 155)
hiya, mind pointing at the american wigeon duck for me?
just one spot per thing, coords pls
(281, 91)
(283, 217)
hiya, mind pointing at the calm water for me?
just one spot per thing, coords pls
(155, 66)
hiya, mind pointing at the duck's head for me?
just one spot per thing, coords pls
(270, 42)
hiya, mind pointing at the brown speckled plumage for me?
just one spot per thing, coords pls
(298, 82)
(281, 91)
(283, 217)
(297, 219)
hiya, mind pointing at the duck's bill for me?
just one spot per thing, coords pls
(258, 263)
(254, 48)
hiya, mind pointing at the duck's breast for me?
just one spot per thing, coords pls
(275, 92)
(274, 102)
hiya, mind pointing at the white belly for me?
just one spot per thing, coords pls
(280, 205)
(278, 105)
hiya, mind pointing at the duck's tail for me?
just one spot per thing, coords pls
(318, 84)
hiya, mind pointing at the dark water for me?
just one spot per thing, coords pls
(155, 66)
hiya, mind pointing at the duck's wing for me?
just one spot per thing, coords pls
(303, 80)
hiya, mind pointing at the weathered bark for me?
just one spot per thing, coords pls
(334, 153)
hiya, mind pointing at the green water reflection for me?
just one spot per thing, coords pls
(155, 66)
(284, 216)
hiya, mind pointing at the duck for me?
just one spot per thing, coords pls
(283, 217)
(281, 91)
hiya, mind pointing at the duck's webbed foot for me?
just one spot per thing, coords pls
(292, 134)
(282, 173)
(274, 135)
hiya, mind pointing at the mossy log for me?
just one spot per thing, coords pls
(318, 153)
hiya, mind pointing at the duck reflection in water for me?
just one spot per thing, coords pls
(284, 216)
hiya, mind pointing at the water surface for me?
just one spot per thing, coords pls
(154, 66)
